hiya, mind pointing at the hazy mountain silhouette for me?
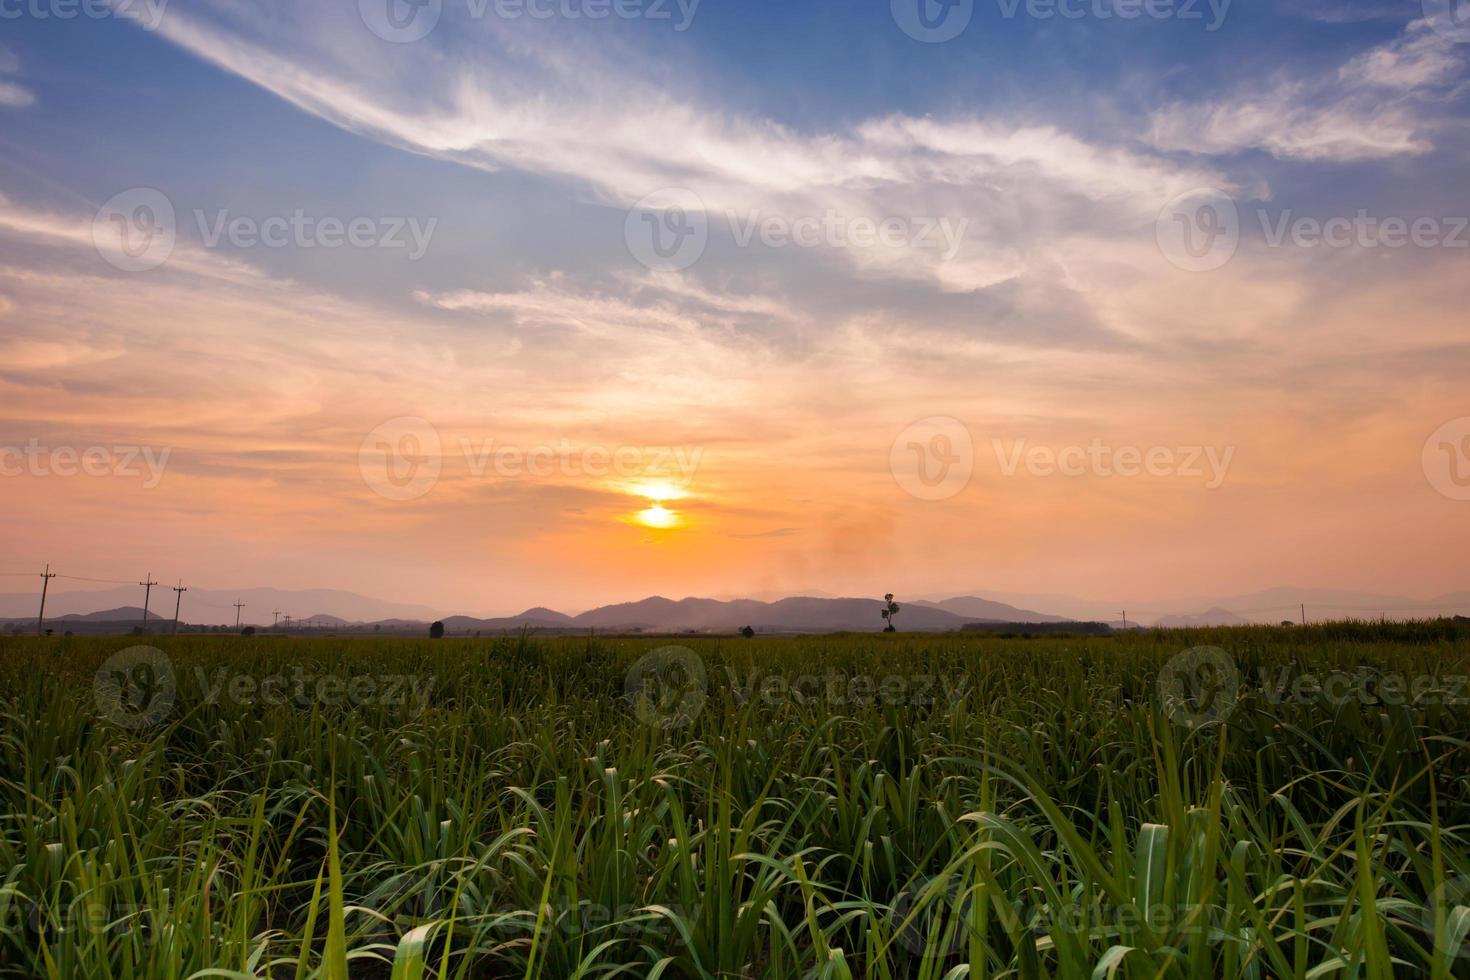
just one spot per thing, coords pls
(981, 610)
(1213, 617)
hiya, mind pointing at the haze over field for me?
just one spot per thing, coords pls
(755, 298)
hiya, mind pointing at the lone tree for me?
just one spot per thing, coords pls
(890, 609)
(748, 633)
(436, 632)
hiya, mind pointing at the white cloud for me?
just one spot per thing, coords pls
(14, 96)
(1375, 106)
(622, 137)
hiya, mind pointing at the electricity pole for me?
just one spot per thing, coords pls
(1304, 614)
(277, 621)
(148, 585)
(179, 591)
(1125, 619)
(46, 578)
(238, 606)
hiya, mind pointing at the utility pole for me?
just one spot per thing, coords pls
(1304, 614)
(1125, 619)
(179, 591)
(46, 578)
(277, 621)
(148, 585)
(238, 606)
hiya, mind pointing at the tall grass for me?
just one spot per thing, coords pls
(1044, 816)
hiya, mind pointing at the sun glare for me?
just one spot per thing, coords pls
(659, 491)
(658, 516)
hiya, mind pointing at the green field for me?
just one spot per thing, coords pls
(1294, 803)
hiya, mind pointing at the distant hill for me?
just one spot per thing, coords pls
(124, 614)
(217, 606)
(1212, 617)
(987, 610)
(661, 615)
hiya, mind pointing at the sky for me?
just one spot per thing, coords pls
(487, 304)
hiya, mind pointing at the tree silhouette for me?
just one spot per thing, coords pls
(436, 632)
(890, 609)
(747, 632)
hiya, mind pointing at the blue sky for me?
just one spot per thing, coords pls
(1054, 151)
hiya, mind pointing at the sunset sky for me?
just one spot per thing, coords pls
(929, 327)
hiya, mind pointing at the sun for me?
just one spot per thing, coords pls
(658, 516)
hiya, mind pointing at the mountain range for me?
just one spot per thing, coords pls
(333, 609)
(793, 615)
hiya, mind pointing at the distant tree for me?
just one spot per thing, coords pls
(748, 633)
(1287, 622)
(436, 632)
(890, 609)
(50, 632)
(248, 631)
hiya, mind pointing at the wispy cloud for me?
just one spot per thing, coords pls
(621, 138)
(1378, 105)
(11, 93)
